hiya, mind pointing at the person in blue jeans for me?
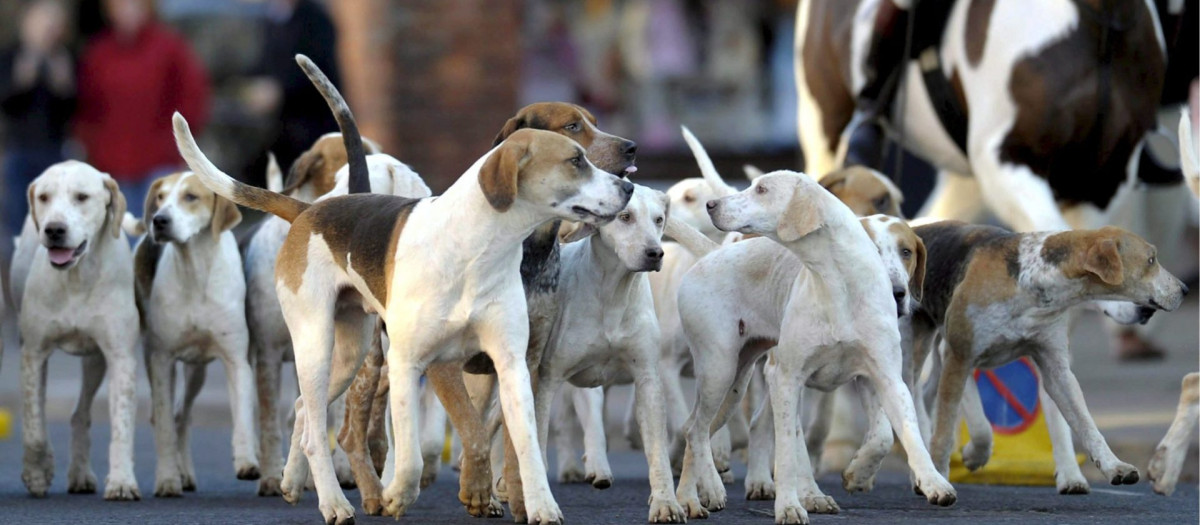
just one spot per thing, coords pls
(37, 99)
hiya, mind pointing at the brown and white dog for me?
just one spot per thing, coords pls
(445, 280)
(192, 295)
(994, 296)
(72, 283)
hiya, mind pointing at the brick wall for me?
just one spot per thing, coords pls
(431, 80)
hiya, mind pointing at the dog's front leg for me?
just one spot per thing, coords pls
(1064, 389)
(80, 477)
(475, 483)
(664, 508)
(193, 375)
(785, 384)
(38, 469)
(569, 436)
(267, 369)
(121, 484)
(589, 408)
(978, 450)
(353, 435)
(160, 366)
(760, 484)
(1171, 452)
(505, 338)
(241, 405)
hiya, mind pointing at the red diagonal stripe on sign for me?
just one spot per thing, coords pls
(1007, 394)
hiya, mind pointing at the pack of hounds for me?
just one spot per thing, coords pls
(542, 270)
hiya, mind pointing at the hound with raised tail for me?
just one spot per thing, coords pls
(995, 296)
(445, 279)
(192, 296)
(72, 279)
(834, 322)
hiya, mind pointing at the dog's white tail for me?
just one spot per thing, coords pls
(1189, 158)
(691, 238)
(752, 172)
(274, 174)
(132, 226)
(216, 180)
(706, 166)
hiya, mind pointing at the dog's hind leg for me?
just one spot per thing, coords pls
(161, 369)
(377, 433)
(786, 383)
(80, 477)
(240, 387)
(859, 476)
(714, 381)
(38, 470)
(433, 435)
(193, 381)
(978, 450)
(569, 438)
(353, 435)
(341, 463)
(589, 407)
(760, 484)
(475, 479)
(267, 371)
(1171, 453)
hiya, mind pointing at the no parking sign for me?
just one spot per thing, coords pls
(1010, 396)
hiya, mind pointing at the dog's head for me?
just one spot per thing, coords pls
(72, 206)
(179, 206)
(313, 173)
(688, 200)
(903, 255)
(636, 234)
(608, 152)
(1114, 264)
(553, 174)
(784, 205)
(389, 176)
(864, 190)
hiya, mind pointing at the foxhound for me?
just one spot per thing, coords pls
(445, 279)
(72, 279)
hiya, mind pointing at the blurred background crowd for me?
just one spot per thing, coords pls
(431, 80)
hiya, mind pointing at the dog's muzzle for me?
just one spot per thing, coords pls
(1144, 313)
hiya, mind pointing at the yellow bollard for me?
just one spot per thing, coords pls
(5, 423)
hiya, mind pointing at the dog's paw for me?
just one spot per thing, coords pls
(666, 510)
(937, 491)
(292, 488)
(429, 471)
(337, 512)
(81, 480)
(572, 473)
(477, 502)
(168, 486)
(760, 490)
(791, 514)
(397, 499)
(121, 489)
(714, 499)
(601, 480)
(544, 511)
(372, 506)
(269, 487)
(819, 503)
(1072, 483)
(1163, 478)
(727, 476)
(188, 482)
(246, 471)
(687, 499)
(37, 481)
(495, 508)
(1122, 474)
(975, 457)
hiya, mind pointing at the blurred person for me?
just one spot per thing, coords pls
(132, 76)
(280, 91)
(37, 97)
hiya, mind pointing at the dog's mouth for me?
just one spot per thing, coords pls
(1144, 313)
(61, 257)
(587, 215)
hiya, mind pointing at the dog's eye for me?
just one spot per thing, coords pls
(1151, 261)
(882, 203)
(572, 127)
(190, 197)
(658, 221)
(43, 198)
(689, 198)
(577, 161)
(625, 217)
(760, 189)
(905, 253)
(81, 197)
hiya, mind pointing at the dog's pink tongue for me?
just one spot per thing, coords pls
(61, 255)
(631, 170)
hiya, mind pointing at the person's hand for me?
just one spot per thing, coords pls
(262, 96)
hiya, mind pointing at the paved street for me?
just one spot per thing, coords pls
(223, 499)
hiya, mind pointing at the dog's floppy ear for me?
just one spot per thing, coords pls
(834, 180)
(916, 282)
(302, 169)
(510, 127)
(151, 205)
(30, 196)
(801, 217)
(116, 206)
(225, 216)
(1104, 260)
(499, 174)
(575, 231)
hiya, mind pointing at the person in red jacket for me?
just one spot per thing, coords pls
(132, 77)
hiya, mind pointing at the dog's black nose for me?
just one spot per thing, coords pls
(711, 205)
(654, 253)
(629, 149)
(55, 231)
(161, 221)
(627, 187)
(1185, 288)
(899, 294)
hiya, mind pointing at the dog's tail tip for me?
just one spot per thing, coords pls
(132, 226)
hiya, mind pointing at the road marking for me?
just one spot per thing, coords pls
(1134, 419)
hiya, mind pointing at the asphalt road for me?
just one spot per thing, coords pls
(223, 499)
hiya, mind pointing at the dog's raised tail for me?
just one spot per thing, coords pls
(1189, 157)
(707, 169)
(222, 184)
(691, 238)
(360, 179)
